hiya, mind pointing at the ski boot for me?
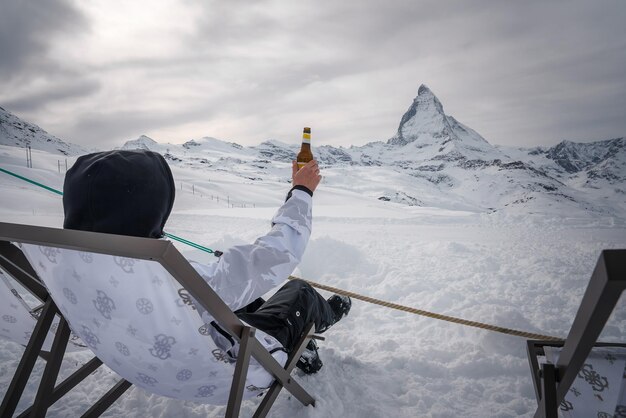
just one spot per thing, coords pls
(309, 361)
(340, 305)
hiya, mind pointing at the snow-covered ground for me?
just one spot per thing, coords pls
(506, 268)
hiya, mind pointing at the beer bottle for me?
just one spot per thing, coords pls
(305, 155)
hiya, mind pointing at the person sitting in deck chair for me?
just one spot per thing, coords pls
(132, 193)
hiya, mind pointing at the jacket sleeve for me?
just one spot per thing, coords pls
(245, 272)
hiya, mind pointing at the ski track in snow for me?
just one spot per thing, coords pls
(514, 271)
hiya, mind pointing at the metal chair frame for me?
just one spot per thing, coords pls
(552, 382)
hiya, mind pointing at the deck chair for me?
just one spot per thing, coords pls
(580, 377)
(145, 329)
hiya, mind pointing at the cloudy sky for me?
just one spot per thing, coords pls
(521, 73)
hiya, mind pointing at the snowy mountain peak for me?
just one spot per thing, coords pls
(208, 143)
(425, 91)
(424, 118)
(16, 132)
(430, 131)
(143, 142)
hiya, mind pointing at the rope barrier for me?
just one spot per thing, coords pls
(390, 305)
(428, 314)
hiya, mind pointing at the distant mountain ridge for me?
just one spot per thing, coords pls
(432, 160)
(16, 132)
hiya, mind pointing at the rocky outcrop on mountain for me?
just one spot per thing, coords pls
(600, 160)
(574, 157)
(276, 151)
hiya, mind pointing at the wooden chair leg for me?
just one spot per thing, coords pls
(274, 390)
(107, 400)
(43, 399)
(25, 368)
(241, 371)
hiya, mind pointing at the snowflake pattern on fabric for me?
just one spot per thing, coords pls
(144, 306)
(89, 337)
(593, 378)
(183, 375)
(50, 253)
(146, 380)
(86, 257)
(70, 296)
(126, 264)
(122, 348)
(205, 391)
(131, 330)
(104, 304)
(9, 318)
(162, 346)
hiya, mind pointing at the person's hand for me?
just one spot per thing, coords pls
(308, 176)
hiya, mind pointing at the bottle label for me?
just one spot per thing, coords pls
(300, 165)
(306, 138)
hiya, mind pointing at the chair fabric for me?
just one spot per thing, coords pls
(17, 321)
(599, 389)
(138, 320)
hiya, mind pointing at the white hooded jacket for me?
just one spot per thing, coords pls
(246, 272)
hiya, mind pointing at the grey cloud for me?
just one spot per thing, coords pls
(531, 72)
(56, 92)
(27, 28)
(110, 128)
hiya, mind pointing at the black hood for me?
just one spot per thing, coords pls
(119, 192)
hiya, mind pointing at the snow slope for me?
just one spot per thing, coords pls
(520, 270)
(16, 132)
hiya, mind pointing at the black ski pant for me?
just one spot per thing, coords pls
(288, 311)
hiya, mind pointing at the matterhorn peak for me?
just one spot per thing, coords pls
(427, 127)
(425, 115)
